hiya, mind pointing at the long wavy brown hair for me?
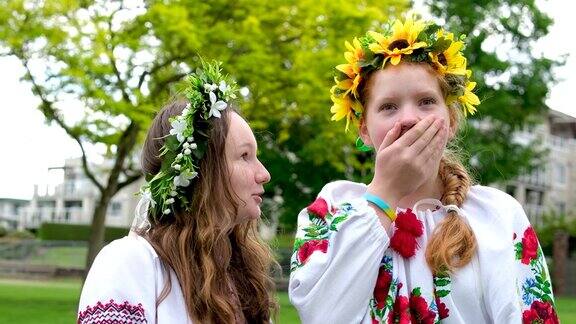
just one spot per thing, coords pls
(452, 244)
(220, 263)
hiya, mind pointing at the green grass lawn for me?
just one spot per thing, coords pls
(56, 302)
(62, 256)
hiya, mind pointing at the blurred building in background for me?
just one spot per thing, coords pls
(11, 211)
(73, 200)
(552, 187)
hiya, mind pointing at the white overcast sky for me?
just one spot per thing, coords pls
(29, 147)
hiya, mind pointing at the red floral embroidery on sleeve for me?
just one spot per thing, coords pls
(540, 312)
(319, 208)
(310, 247)
(529, 245)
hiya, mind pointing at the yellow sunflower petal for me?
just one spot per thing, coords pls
(379, 38)
(347, 69)
(395, 59)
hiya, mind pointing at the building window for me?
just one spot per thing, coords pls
(534, 197)
(73, 203)
(511, 190)
(47, 203)
(560, 173)
(115, 208)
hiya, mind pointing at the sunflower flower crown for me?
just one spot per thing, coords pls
(411, 40)
(208, 93)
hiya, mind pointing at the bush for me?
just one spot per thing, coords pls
(20, 235)
(3, 231)
(73, 232)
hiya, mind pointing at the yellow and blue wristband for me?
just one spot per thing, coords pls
(382, 205)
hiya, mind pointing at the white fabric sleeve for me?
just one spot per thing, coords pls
(533, 285)
(121, 285)
(335, 263)
(514, 273)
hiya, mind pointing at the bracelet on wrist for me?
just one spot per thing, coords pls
(382, 205)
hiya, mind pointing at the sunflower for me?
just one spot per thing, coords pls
(345, 106)
(401, 42)
(451, 60)
(352, 68)
(469, 100)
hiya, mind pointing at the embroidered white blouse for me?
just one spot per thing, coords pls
(124, 284)
(344, 271)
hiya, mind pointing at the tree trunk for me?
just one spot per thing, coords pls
(560, 256)
(125, 146)
(97, 228)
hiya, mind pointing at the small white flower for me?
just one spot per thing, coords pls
(170, 200)
(187, 151)
(193, 146)
(177, 166)
(210, 87)
(185, 111)
(179, 156)
(216, 106)
(167, 211)
(173, 193)
(191, 138)
(183, 180)
(223, 86)
(186, 145)
(178, 128)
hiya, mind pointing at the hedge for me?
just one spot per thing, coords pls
(73, 232)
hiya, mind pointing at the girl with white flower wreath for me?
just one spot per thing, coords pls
(193, 254)
(419, 243)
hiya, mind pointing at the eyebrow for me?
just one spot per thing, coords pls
(248, 144)
(423, 93)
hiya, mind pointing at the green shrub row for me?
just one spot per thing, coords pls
(73, 232)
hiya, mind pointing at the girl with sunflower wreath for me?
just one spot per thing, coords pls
(419, 243)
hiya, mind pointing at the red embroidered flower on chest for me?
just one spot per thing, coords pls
(408, 228)
(382, 286)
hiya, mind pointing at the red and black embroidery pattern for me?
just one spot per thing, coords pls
(112, 312)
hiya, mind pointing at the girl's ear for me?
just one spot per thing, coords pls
(363, 132)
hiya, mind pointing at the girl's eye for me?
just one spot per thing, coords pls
(428, 101)
(387, 106)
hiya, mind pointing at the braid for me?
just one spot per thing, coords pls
(452, 244)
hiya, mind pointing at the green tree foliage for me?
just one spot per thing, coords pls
(119, 61)
(513, 81)
(553, 222)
